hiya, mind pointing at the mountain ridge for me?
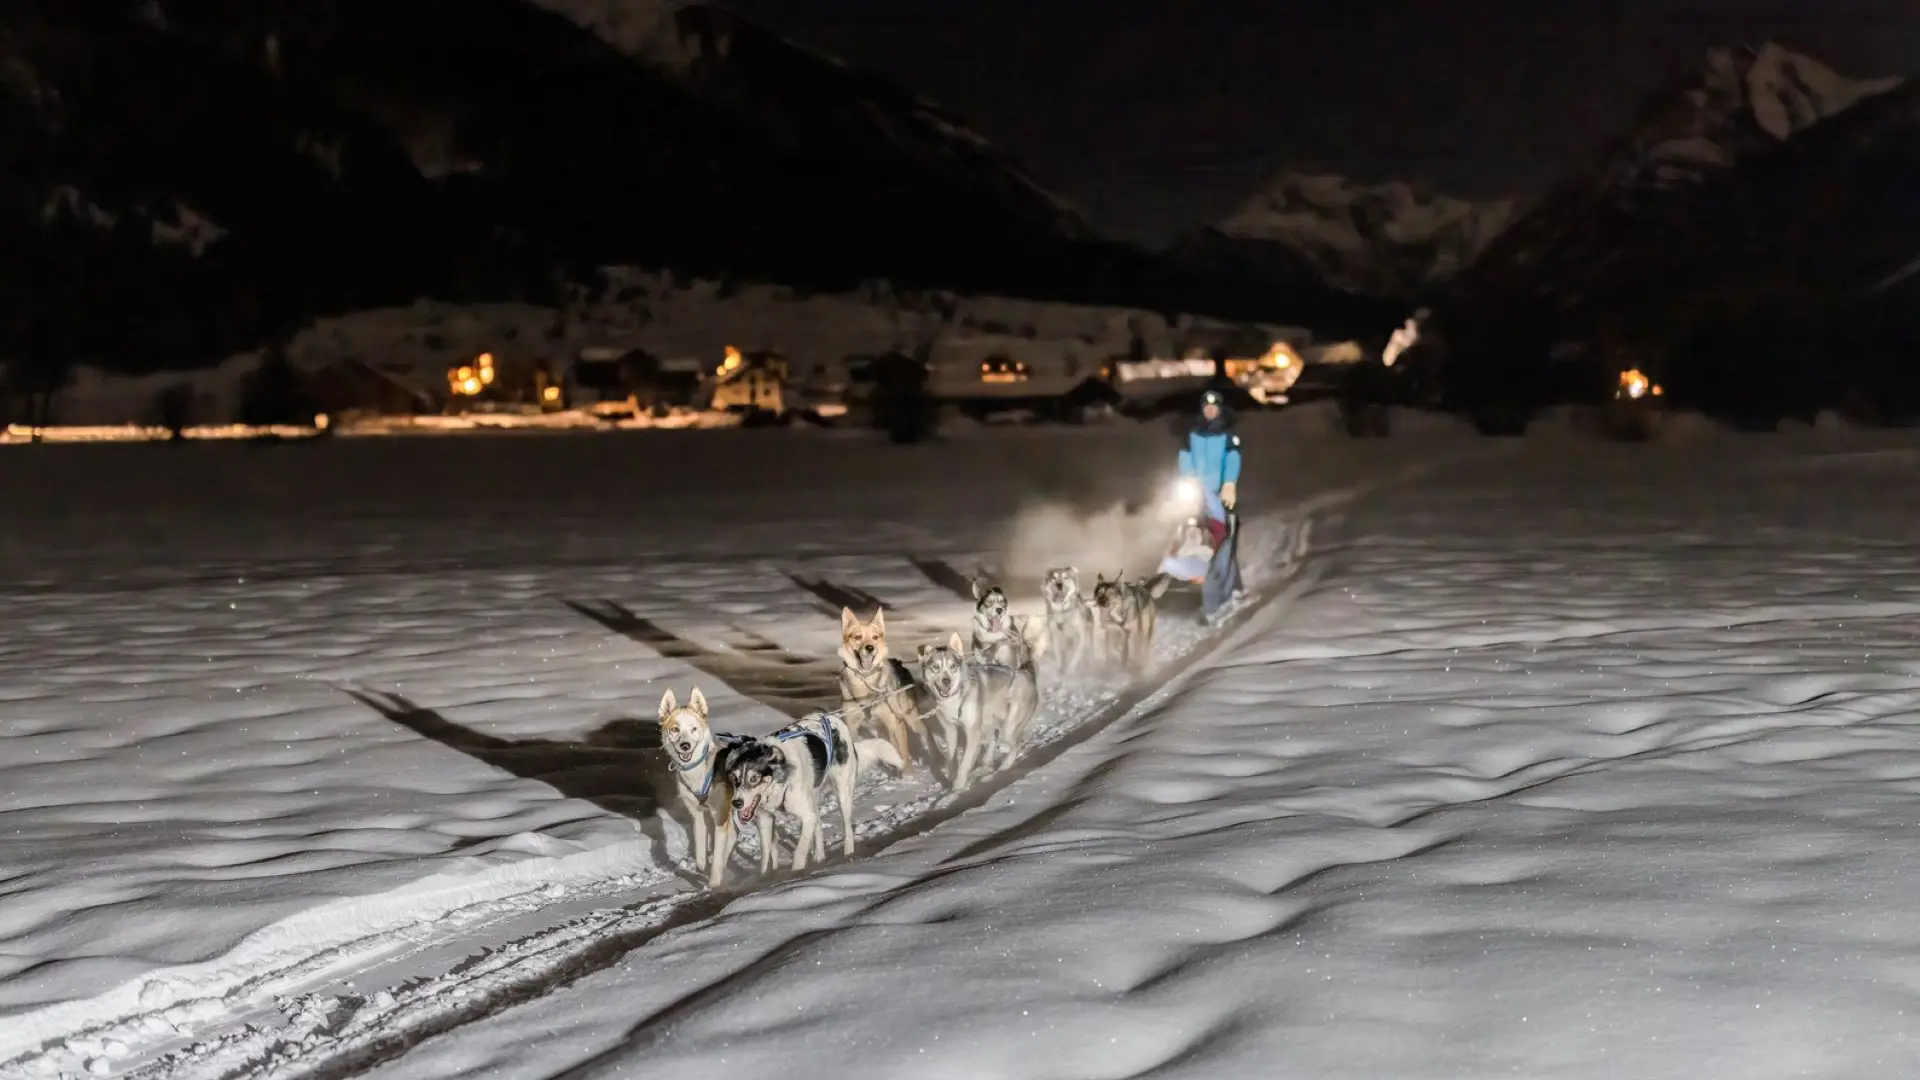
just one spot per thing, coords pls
(1734, 104)
(475, 149)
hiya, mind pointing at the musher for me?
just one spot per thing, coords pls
(1211, 457)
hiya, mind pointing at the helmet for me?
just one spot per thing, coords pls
(1212, 397)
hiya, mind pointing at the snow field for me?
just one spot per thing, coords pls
(1599, 764)
(203, 822)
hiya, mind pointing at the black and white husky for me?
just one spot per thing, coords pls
(1125, 612)
(999, 636)
(1069, 633)
(977, 701)
(699, 757)
(786, 771)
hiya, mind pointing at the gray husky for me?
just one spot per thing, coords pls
(1069, 619)
(1000, 636)
(980, 700)
(1125, 612)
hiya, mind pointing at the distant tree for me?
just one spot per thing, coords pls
(173, 410)
(272, 392)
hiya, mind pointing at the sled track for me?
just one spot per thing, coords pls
(323, 1036)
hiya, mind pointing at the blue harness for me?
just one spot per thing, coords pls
(716, 739)
(811, 728)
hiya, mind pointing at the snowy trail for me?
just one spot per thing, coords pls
(1618, 830)
(342, 1030)
(346, 1027)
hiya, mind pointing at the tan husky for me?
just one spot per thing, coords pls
(877, 692)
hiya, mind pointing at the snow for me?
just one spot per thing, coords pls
(1347, 228)
(1551, 757)
(1766, 91)
(202, 817)
(1785, 90)
(1578, 765)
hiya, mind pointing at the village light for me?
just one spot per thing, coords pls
(550, 393)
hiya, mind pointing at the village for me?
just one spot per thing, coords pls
(643, 351)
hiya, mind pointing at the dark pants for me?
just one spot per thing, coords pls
(1223, 573)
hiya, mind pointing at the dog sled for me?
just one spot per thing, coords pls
(1196, 539)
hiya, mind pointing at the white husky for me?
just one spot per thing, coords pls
(699, 759)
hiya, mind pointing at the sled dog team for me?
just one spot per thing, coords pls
(978, 694)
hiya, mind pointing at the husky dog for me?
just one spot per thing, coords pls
(1069, 618)
(785, 770)
(978, 699)
(1000, 637)
(699, 756)
(876, 690)
(1125, 611)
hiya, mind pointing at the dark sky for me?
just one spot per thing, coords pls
(1156, 115)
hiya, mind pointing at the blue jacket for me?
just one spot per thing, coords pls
(1214, 460)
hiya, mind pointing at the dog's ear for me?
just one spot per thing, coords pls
(697, 701)
(668, 703)
(848, 620)
(979, 589)
(879, 622)
(1073, 572)
(925, 651)
(959, 647)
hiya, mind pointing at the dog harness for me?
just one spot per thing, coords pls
(811, 728)
(714, 739)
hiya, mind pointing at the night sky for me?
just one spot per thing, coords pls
(1156, 115)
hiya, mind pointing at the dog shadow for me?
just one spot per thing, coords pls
(790, 683)
(619, 766)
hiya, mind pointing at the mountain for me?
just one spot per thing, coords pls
(181, 178)
(1383, 240)
(1603, 228)
(800, 97)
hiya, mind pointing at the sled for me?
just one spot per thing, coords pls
(1195, 542)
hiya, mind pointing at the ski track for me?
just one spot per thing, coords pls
(309, 1019)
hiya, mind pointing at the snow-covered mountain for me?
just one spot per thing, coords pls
(207, 172)
(1384, 240)
(1578, 242)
